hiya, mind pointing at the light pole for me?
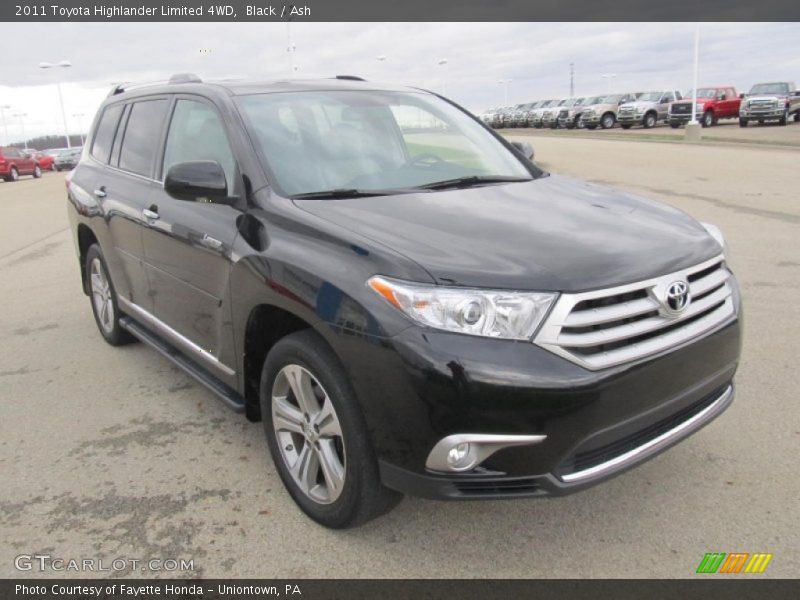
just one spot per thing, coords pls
(694, 87)
(20, 116)
(3, 109)
(79, 118)
(64, 64)
(290, 48)
(442, 62)
(608, 77)
(504, 83)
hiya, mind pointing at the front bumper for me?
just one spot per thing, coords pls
(755, 115)
(632, 118)
(421, 386)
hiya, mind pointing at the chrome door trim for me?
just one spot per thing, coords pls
(178, 339)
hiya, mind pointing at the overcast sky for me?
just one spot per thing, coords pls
(536, 56)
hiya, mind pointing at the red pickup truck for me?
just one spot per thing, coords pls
(14, 162)
(713, 104)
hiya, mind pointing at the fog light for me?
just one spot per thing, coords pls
(458, 455)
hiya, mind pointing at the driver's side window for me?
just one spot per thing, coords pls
(196, 132)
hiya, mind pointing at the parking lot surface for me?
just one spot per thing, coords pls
(112, 453)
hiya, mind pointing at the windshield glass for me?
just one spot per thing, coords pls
(612, 99)
(650, 97)
(370, 140)
(702, 93)
(770, 88)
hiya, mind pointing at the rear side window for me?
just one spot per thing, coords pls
(106, 128)
(142, 136)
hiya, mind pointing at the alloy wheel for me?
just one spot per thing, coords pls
(101, 296)
(14, 175)
(308, 434)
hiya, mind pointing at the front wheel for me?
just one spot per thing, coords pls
(797, 117)
(317, 435)
(743, 122)
(104, 299)
(608, 121)
(708, 119)
(13, 175)
(649, 121)
(37, 172)
(784, 118)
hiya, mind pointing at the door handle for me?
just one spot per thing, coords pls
(211, 242)
(150, 214)
(100, 192)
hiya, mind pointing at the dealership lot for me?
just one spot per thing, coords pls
(112, 453)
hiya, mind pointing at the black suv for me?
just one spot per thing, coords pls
(406, 301)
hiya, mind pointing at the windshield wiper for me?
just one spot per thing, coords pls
(471, 180)
(348, 193)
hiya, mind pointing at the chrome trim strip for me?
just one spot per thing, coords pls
(651, 447)
(177, 338)
(551, 338)
(482, 446)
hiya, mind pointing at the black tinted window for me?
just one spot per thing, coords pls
(106, 129)
(142, 135)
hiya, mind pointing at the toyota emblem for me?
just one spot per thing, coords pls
(677, 297)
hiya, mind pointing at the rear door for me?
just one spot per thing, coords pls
(188, 244)
(125, 185)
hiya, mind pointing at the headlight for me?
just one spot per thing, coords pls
(488, 313)
(716, 233)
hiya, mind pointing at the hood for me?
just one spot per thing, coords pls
(767, 97)
(689, 101)
(551, 234)
(644, 105)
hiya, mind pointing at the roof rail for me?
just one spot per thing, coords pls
(124, 86)
(350, 77)
(185, 78)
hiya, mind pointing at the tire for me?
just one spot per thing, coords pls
(608, 120)
(352, 493)
(53, 167)
(797, 117)
(37, 172)
(13, 175)
(649, 121)
(743, 122)
(674, 125)
(626, 125)
(708, 119)
(785, 118)
(103, 298)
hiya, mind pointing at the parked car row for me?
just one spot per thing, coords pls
(15, 163)
(777, 101)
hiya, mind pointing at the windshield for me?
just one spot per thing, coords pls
(612, 99)
(770, 88)
(650, 97)
(370, 140)
(703, 93)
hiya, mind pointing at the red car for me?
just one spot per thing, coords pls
(14, 162)
(45, 161)
(713, 103)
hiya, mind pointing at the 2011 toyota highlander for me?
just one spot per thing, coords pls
(407, 302)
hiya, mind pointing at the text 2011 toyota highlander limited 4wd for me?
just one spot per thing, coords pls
(407, 302)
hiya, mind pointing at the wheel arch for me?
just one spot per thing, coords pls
(86, 238)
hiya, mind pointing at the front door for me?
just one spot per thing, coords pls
(187, 244)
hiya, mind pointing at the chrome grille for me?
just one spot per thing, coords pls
(766, 104)
(626, 109)
(680, 109)
(604, 328)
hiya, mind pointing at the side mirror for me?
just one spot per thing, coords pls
(524, 148)
(741, 95)
(197, 180)
(722, 96)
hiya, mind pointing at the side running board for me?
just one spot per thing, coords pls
(229, 396)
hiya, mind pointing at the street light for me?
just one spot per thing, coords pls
(20, 116)
(3, 109)
(442, 62)
(64, 64)
(504, 83)
(79, 117)
(608, 77)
